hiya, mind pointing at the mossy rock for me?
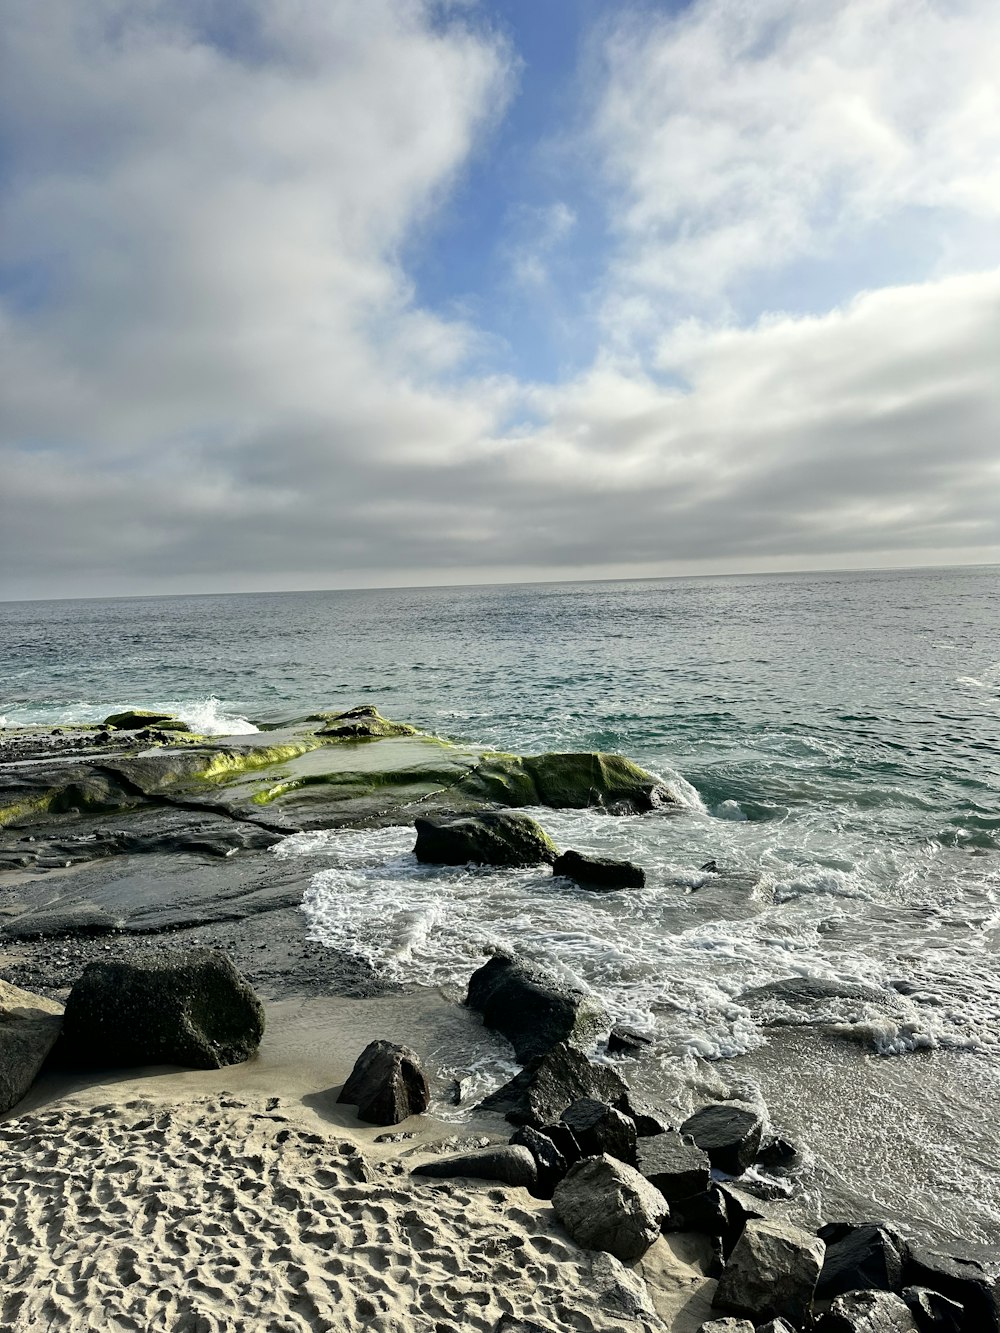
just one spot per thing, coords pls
(364, 722)
(135, 719)
(566, 781)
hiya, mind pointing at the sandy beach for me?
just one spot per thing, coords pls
(248, 1198)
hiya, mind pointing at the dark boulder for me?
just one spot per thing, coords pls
(771, 1272)
(777, 1155)
(510, 1164)
(564, 1139)
(543, 1090)
(600, 1128)
(625, 1041)
(606, 1205)
(387, 1084)
(776, 1326)
(550, 1164)
(29, 1028)
(705, 1213)
(729, 1134)
(932, 1312)
(532, 1008)
(183, 1007)
(494, 838)
(864, 1257)
(675, 1166)
(868, 1312)
(596, 872)
(972, 1284)
(137, 719)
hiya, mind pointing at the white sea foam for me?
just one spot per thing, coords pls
(729, 810)
(208, 717)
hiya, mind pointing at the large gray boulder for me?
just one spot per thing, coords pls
(606, 1205)
(183, 1007)
(974, 1283)
(772, 1271)
(532, 1008)
(543, 1089)
(510, 1164)
(387, 1084)
(494, 838)
(29, 1028)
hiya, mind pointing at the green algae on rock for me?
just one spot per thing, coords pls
(567, 781)
(363, 722)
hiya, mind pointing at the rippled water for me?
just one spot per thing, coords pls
(834, 737)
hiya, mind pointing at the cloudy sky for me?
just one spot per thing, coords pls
(325, 293)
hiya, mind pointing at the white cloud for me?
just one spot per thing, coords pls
(745, 136)
(214, 370)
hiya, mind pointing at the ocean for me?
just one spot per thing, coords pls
(832, 739)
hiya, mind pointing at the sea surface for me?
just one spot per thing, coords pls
(832, 738)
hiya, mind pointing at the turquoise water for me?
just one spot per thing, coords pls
(833, 739)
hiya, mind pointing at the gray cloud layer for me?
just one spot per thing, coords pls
(214, 374)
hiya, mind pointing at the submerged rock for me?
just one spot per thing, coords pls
(491, 839)
(511, 1164)
(729, 1134)
(771, 1272)
(596, 872)
(542, 1091)
(29, 1028)
(532, 1008)
(387, 1084)
(606, 1205)
(185, 1007)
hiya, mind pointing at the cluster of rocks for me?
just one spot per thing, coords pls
(504, 838)
(619, 1175)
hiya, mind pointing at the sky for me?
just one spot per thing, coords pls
(318, 294)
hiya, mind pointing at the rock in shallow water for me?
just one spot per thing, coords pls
(532, 1008)
(185, 1007)
(596, 872)
(606, 1205)
(859, 1258)
(729, 1134)
(387, 1084)
(542, 1091)
(490, 839)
